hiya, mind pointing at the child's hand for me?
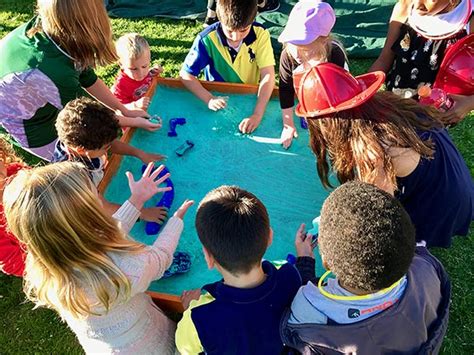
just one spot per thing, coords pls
(150, 157)
(216, 103)
(154, 214)
(461, 108)
(248, 125)
(188, 296)
(287, 135)
(145, 188)
(304, 242)
(156, 70)
(143, 103)
(147, 124)
(181, 211)
(135, 113)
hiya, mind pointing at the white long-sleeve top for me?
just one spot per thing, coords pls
(137, 326)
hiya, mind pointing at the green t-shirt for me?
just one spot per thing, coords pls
(36, 80)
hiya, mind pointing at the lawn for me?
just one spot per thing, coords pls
(24, 330)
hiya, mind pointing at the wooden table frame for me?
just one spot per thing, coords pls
(163, 300)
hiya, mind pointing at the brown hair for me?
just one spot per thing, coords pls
(354, 139)
(236, 14)
(81, 28)
(234, 227)
(86, 123)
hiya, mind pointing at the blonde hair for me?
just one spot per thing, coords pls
(55, 213)
(320, 49)
(81, 28)
(355, 140)
(7, 154)
(131, 46)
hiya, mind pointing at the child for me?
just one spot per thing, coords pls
(87, 130)
(12, 256)
(384, 297)
(135, 75)
(235, 50)
(394, 143)
(262, 6)
(50, 61)
(418, 36)
(241, 314)
(82, 264)
(306, 37)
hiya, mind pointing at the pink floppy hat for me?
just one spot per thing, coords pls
(308, 20)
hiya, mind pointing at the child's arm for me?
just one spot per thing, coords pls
(265, 89)
(150, 214)
(130, 118)
(121, 148)
(161, 255)
(289, 130)
(195, 86)
(461, 108)
(399, 15)
(187, 337)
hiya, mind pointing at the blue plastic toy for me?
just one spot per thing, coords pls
(181, 264)
(173, 123)
(303, 123)
(155, 119)
(152, 228)
(183, 148)
(315, 230)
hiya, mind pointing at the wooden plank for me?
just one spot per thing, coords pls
(167, 302)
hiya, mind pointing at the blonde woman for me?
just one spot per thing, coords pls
(306, 38)
(49, 61)
(81, 263)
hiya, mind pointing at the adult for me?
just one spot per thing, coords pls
(48, 62)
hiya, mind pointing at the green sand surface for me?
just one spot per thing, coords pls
(285, 180)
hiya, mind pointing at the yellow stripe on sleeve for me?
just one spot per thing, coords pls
(187, 338)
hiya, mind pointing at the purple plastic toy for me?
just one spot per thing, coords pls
(173, 123)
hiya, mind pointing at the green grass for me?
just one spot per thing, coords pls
(24, 330)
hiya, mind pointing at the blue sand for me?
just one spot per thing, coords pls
(285, 180)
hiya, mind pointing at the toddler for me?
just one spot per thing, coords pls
(135, 76)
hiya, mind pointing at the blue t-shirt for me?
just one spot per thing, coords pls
(439, 194)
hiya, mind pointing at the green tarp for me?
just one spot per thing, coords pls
(361, 25)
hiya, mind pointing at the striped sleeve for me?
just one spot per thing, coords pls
(187, 338)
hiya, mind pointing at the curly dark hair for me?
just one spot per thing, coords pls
(234, 227)
(366, 237)
(86, 123)
(236, 14)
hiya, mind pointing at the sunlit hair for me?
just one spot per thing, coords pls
(319, 50)
(67, 233)
(131, 46)
(356, 140)
(81, 28)
(7, 154)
